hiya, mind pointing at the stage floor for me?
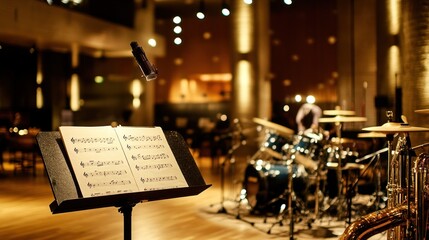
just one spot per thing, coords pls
(25, 214)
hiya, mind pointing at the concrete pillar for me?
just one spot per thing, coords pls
(251, 93)
(414, 80)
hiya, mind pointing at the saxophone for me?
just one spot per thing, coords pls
(376, 222)
(394, 218)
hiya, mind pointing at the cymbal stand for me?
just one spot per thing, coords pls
(290, 198)
(352, 187)
(228, 158)
(338, 126)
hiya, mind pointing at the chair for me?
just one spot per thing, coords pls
(23, 153)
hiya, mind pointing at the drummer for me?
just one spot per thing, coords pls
(307, 117)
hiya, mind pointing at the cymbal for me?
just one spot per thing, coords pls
(336, 140)
(393, 127)
(274, 126)
(371, 135)
(338, 119)
(339, 112)
(348, 166)
(423, 111)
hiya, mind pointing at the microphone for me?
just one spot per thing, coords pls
(149, 71)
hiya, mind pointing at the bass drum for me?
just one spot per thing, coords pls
(264, 182)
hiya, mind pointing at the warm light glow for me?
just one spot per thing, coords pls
(394, 64)
(177, 41)
(393, 16)
(200, 15)
(151, 42)
(177, 19)
(310, 99)
(39, 77)
(136, 102)
(248, 1)
(244, 34)
(298, 98)
(136, 88)
(243, 77)
(39, 98)
(184, 87)
(98, 79)
(177, 29)
(332, 40)
(223, 77)
(74, 92)
(286, 108)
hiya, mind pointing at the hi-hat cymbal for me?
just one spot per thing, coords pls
(338, 119)
(339, 112)
(423, 111)
(392, 127)
(274, 126)
(371, 135)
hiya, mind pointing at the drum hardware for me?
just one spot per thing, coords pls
(238, 141)
(339, 120)
(401, 207)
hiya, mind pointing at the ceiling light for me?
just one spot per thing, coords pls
(201, 10)
(225, 8)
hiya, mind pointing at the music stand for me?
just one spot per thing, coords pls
(68, 197)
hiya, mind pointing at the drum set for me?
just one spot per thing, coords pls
(302, 176)
(288, 177)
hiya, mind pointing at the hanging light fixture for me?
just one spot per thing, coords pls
(201, 10)
(225, 8)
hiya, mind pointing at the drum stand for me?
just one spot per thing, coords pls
(289, 196)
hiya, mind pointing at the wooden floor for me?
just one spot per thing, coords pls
(25, 214)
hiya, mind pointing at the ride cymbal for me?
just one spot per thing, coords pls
(422, 111)
(371, 135)
(338, 119)
(274, 126)
(392, 127)
(339, 112)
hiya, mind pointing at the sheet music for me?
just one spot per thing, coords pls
(108, 160)
(150, 157)
(98, 161)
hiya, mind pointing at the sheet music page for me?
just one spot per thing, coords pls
(98, 160)
(150, 157)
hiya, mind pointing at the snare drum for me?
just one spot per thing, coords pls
(308, 150)
(273, 145)
(264, 181)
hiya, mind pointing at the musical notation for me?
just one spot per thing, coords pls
(142, 138)
(109, 183)
(104, 173)
(92, 163)
(154, 166)
(95, 149)
(158, 156)
(91, 140)
(110, 160)
(97, 194)
(145, 146)
(158, 179)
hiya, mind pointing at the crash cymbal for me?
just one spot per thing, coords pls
(274, 126)
(393, 127)
(371, 135)
(423, 111)
(339, 112)
(338, 119)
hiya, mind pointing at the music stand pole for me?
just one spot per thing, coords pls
(126, 210)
